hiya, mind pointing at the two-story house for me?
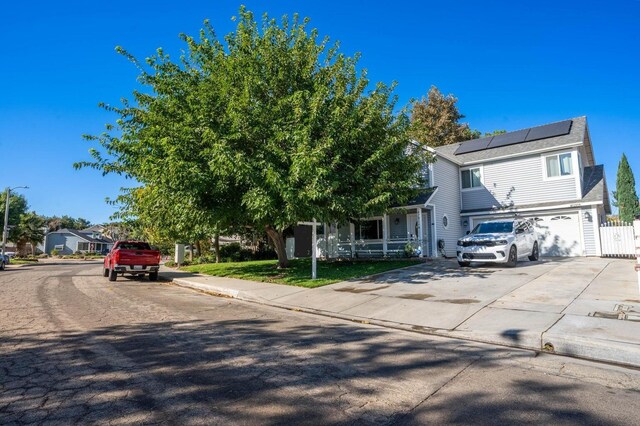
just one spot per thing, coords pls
(546, 173)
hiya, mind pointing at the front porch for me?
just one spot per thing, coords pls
(406, 231)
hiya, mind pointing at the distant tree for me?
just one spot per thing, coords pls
(267, 128)
(56, 223)
(494, 133)
(17, 207)
(435, 120)
(625, 196)
(31, 229)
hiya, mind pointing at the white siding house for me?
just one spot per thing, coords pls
(546, 173)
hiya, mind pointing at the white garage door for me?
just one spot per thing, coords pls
(559, 234)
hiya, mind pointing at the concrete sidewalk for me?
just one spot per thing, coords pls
(584, 307)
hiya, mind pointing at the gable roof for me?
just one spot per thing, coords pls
(575, 137)
(85, 236)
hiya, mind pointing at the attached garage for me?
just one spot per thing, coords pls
(560, 233)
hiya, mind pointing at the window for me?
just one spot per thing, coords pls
(83, 246)
(369, 230)
(59, 247)
(445, 221)
(493, 228)
(134, 246)
(426, 175)
(559, 165)
(471, 178)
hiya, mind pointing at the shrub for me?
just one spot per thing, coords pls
(54, 252)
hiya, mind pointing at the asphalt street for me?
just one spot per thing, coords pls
(76, 348)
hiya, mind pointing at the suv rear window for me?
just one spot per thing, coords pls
(493, 228)
(134, 246)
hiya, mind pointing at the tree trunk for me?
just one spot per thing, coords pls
(199, 248)
(216, 245)
(190, 252)
(278, 243)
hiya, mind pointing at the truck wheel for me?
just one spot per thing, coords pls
(153, 276)
(464, 264)
(105, 272)
(112, 275)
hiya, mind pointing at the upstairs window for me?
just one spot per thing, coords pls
(559, 165)
(471, 178)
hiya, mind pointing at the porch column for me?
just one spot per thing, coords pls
(385, 233)
(352, 236)
(420, 242)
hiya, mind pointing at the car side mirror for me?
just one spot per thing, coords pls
(520, 231)
(468, 232)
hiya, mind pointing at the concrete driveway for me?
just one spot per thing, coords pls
(522, 306)
(588, 307)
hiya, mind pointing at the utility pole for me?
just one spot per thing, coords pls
(5, 231)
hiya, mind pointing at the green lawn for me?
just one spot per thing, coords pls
(22, 261)
(299, 273)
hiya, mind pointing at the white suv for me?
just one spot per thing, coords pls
(499, 241)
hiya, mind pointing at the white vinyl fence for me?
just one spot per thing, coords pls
(617, 239)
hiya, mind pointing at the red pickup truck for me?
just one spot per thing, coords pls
(132, 257)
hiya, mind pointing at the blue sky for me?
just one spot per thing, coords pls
(511, 64)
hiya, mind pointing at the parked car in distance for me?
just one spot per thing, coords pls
(499, 241)
(133, 258)
(3, 262)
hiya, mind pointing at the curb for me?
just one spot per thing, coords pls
(552, 342)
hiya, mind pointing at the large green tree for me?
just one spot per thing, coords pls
(435, 120)
(266, 128)
(31, 229)
(625, 196)
(17, 207)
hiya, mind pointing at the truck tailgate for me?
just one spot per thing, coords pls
(138, 257)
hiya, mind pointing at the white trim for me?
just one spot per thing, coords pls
(434, 234)
(472, 188)
(578, 175)
(515, 211)
(581, 229)
(420, 231)
(595, 218)
(522, 154)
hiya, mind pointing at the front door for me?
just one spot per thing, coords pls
(413, 231)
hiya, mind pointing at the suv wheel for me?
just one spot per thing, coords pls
(464, 264)
(535, 253)
(513, 257)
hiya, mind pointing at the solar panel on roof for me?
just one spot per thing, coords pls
(549, 130)
(473, 145)
(510, 138)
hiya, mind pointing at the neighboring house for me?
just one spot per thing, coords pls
(547, 173)
(70, 241)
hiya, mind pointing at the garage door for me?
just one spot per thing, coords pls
(559, 234)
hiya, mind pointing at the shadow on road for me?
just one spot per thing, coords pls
(261, 371)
